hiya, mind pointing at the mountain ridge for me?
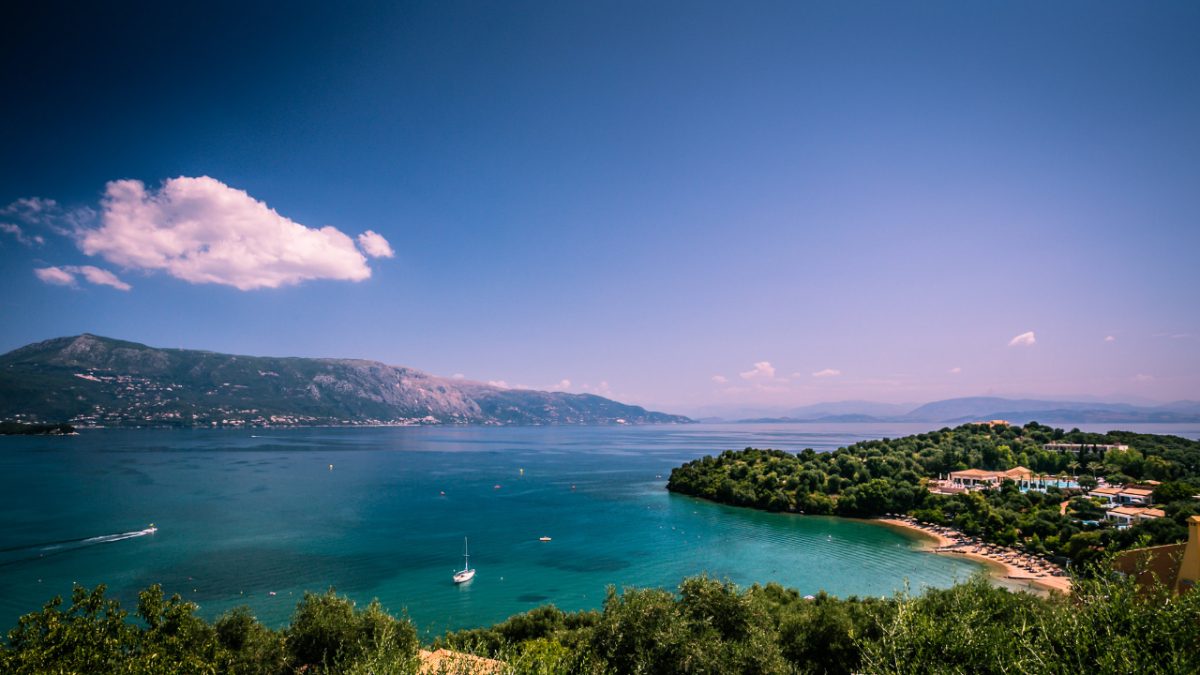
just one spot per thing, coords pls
(90, 380)
(976, 408)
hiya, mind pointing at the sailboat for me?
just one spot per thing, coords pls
(467, 573)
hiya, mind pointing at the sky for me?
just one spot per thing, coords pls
(686, 205)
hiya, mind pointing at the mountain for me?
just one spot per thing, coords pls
(1020, 411)
(976, 408)
(93, 380)
(848, 409)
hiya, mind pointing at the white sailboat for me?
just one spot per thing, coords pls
(467, 573)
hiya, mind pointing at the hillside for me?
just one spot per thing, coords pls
(92, 380)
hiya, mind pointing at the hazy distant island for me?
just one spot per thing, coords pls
(976, 408)
(88, 380)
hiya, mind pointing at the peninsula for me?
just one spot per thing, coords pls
(1031, 498)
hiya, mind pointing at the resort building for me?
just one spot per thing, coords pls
(979, 479)
(1080, 447)
(1123, 495)
(1124, 516)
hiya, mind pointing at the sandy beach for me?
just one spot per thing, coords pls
(1012, 568)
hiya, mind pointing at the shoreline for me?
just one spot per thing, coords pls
(1009, 567)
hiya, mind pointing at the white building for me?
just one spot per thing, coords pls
(1124, 516)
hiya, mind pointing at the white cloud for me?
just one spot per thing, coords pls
(499, 384)
(20, 236)
(1142, 377)
(601, 389)
(1109, 338)
(1023, 340)
(563, 385)
(374, 245)
(48, 214)
(55, 275)
(828, 372)
(762, 369)
(99, 277)
(32, 209)
(203, 231)
(955, 370)
(458, 376)
(65, 276)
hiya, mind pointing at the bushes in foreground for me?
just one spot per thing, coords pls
(1106, 626)
(328, 634)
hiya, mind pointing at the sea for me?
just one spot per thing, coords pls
(257, 517)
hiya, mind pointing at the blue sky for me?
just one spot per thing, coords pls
(640, 199)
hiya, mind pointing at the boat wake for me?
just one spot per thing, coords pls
(48, 548)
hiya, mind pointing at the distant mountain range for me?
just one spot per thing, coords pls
(976, 408)
(89, 380)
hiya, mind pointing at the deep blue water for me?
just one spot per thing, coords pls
(242, 514)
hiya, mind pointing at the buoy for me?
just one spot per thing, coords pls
(331, 467)
(522, 472)
(495, 487)
(442, 493)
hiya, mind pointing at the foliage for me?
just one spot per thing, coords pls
(1107, 625)
(327, 631)
(94, 635)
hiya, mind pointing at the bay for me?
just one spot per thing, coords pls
(257, 517)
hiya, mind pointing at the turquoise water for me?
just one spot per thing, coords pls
(244, 514)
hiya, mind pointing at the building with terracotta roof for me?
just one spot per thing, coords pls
(1123, 495)
(980, 479)
(1124, 516)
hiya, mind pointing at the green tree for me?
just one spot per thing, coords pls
(328, 632)
(90, 636)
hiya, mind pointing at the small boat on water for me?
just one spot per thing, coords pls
(466, 574)
(543, 538)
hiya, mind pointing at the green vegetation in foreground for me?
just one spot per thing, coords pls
(874, 478)
(23, 429)
(1105, 626)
